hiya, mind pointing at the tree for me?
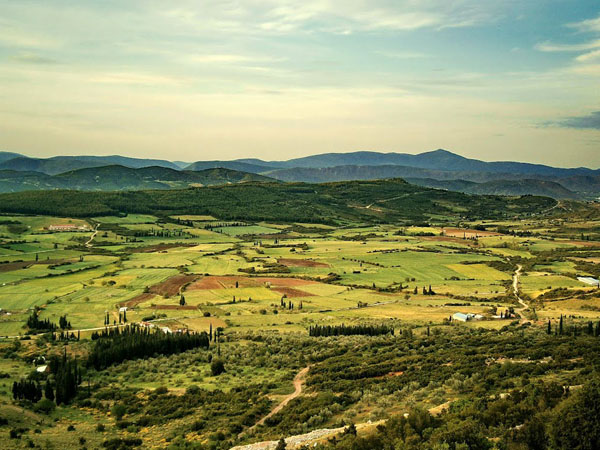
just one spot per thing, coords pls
(549, 331)
(118, 411)
(182, 300)
(575, 423)
(217, 367)
(48, 391)
(350, 429)
(281, 445)
(560, 325)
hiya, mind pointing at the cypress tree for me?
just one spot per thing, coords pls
(560, 325)
(48, 391)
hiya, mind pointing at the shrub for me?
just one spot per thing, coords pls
(217, 367)
(44, 406)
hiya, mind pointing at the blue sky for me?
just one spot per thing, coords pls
(192, 80)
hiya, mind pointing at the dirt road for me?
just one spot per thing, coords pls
(524, 305)
(298, 381)
(88, 244)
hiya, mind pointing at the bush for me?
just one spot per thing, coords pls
(217, 367)
(44, 406)
(118, 411)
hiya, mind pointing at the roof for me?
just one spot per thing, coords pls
(462, 316)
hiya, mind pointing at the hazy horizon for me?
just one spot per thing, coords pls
(496, 81)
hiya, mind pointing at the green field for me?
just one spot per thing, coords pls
(265, 284)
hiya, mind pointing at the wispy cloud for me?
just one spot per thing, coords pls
(401, 54)
(583, 46)
(589, 25)
(589, 121)
(590, 56)
(32, 58)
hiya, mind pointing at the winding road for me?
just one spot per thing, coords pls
(524, 305)
(298, 381)
(88, 244)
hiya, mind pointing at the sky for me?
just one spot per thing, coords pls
(202, 80)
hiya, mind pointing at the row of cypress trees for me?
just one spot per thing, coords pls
(347, 330)
(574, 329)
(115, 345)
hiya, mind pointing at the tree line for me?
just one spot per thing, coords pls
(348, 330)
(113, 346)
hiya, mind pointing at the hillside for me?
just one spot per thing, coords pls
(115, 178)
(61, 164)
(581, 183)
(5, 156)
(233, 165)
(500, 187)
(434, 160)
(367, 201)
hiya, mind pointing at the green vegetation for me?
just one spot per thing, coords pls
(185, 328)
(372, 201)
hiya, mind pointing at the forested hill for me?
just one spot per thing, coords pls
(364, 201)
(116, 178)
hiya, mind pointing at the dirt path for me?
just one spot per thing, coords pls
(88, 244)
(524, 305)
(298, 381)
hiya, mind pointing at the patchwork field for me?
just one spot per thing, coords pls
(276, 275)
(263, 286)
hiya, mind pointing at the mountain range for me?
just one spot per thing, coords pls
(119, 178)
(440, 169)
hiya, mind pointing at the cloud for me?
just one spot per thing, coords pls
(588, 122)
(590, 25)
(401, 54)
(550, 47)
(32, 58)
(590, 56)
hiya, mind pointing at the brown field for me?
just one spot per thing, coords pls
(291, 292)
(172, 285)
(176, 307)
(291, 262)
(9, 267)
(228, 282)
(132, 303)
(583, 243)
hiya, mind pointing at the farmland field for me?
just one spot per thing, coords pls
(263, 286)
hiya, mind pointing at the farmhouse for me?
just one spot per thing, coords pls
(466, 317)
(67, 227)
(43, 369)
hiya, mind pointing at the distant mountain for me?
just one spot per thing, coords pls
(61, 164)
(117, 178)
(439, 165)
(233, 165)
(5, 156)
(347, 173)
(436, 160)
(500, 187)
